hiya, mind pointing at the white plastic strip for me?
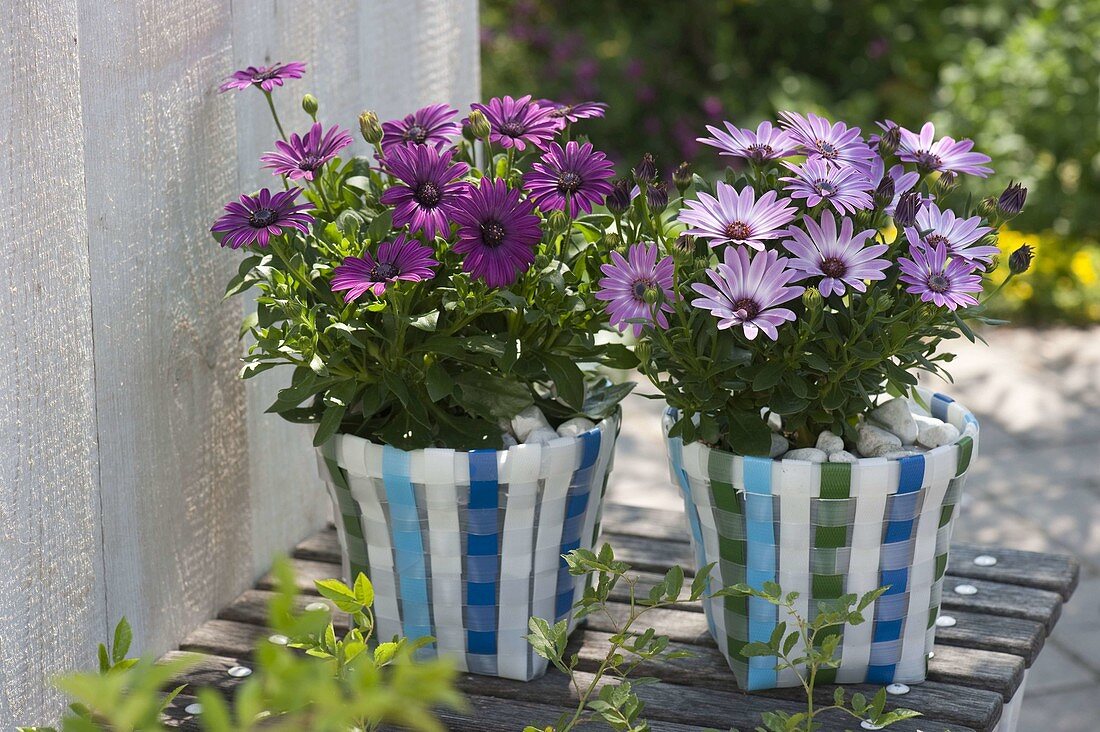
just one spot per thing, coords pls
(798, 483)
(437, 472)
(379, 551)
(520, 470)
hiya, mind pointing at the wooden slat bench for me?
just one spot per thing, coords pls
(975, 683)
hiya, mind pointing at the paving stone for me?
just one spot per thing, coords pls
(1067, 711)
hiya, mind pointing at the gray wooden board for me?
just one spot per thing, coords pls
(977, 666)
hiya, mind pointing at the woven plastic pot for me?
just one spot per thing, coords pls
(825, 530)
(466, 546)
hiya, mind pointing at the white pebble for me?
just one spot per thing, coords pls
(874, 441)
(540, 436)
(843, 456)
(895, 416)
(775, 422)
(575, 426)
(508, 440)
(902, 453)
(528, 421)
(937, 435)
(779, 446)
(829, 443)
(809, 454)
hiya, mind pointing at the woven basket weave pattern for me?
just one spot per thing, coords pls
(825, 530)
(466, 546)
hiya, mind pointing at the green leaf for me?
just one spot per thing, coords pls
(363, 591)
(380, 227)
(124, 635)
(568, 379)
(438, 382)
(384, 653)
(329, 424)
(749, 434)
(340, 594)
(490, 396)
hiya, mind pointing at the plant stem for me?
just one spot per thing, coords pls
(274, 114)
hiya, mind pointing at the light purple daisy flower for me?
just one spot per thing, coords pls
(400, 259)
(822, 140)
(903, 181)
(518, 122)
(575, 176)
(629, 281)
(433, 125)
(959, 236)
(432, 188)
(840, 259)
(497, 233)
(946, 282)
(738, 218)
(264, 77)
(747, 292)
(766, 143)
(845, 188)
(255, 219)
(302, 157)
(946, 155)
(567, 114)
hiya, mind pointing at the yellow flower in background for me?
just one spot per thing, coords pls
(1063, 284)
(1083, 267)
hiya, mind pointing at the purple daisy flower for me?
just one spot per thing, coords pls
(302, 157)
(845, 188)
(959, 236)
(431, 191)
(738, 218)
(946, 282)
(433, 125)
(573, 177)
(265, 77)
(400, 259)
(255, 219)
(946, 155)
(567, 114)
(498, 233)
(630, 281)
(748, 291)
(822, 140)
(902, 180)
(767, 143)
(518, 122)
(841, 260)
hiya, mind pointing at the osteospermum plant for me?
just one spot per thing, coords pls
(822, 271)
(428, 293)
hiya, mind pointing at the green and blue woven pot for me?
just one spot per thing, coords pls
(825, 530)
(465, 546)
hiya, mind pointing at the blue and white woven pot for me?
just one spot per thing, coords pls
(466, 546)
(825, 530)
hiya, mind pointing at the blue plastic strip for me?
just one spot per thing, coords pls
(408, 546)
(939, 405)
(760, 535)
(576, 505)
(483, 552)
(899, 528)
(676, 456)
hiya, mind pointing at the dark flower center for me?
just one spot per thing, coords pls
(512, 128)
(760, 151)
(934, 240)
(264, 75)
(384, 271)
(833, 267)
(492, 233)
(737, 230)
(928, 160)
(640, 287)
(938, 283)
(416, 133)
(827, 150)
(310, 162)
(825, 188)
(262, 218)
(569, 182)
(562, 111)
(428, 194)
(749, 306)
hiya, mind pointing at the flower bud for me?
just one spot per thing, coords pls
(618, 201)
(541, 262)
(309, 105)
(812, 300)
(479, 124)
(1020, 260)
(656, 195)
(682, 177)
(986, 207)
(557, 221)
(642, 351)
(370, 128)
(884, 193)
(646, 170)
(685, 243)
(612, 240)
(888, 141)
(1012, 200)
(947, 182)
(905, 213)
(651, 295)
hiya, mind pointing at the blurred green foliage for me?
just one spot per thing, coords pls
(1020, 77)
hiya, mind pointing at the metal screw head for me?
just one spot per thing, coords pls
(945, 621)
(315, 606)
(239, 672)
(278, 639)
(985, 560)
(868, 725)
(966, 590)
(897, 689)
(195, 708)
(931, 655)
